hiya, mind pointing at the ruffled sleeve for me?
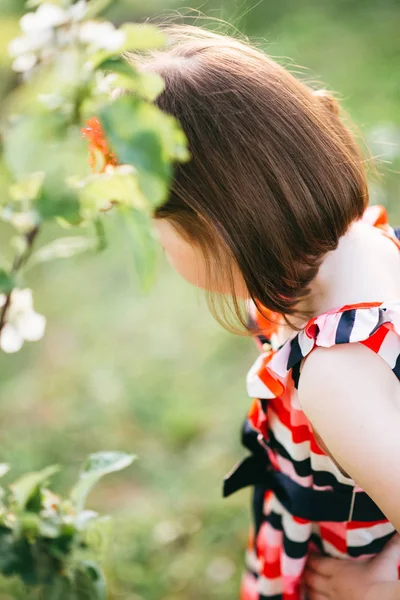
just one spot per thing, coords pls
(374, 324)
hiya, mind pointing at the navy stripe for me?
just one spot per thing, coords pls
(296, 374)
(302, 467)
(318, 542)
(324, 478)
(374, 547)
(258, 506)
(274, 520)
(294, 549)
(345, 327)
(295, 355)
(396, 369)
(382, 318)
(275, 597)
(250, 439)
(397, 232)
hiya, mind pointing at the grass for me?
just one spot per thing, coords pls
(155, 375)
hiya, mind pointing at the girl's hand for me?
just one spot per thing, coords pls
(333, 579)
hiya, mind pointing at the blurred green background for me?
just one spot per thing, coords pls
(155, 375)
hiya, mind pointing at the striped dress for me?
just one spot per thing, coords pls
(302, 500)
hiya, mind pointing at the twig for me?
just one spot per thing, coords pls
(19, 262)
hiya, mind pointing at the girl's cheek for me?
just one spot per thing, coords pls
(190, 267)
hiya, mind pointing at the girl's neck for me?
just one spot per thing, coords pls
(364, 268)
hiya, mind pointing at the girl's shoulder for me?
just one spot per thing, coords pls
(375, 325)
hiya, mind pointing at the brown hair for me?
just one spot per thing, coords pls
(275, 177)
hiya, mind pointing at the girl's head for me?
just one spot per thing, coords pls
(275, 178)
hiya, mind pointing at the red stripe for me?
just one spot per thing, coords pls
(300, 433)
(315, 448)
(367, 524)
(294, 596)
(375, 341)
(272, 570)
(331, 537)
(273, 384)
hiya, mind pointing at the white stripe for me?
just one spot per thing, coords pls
(296, 532)
(328, 326)
(286, 466)
(332, 551)
(365, 320)
(252, 561)
(299, 451)
(393, 314)
(270, 587)
(278, 362)
(306, 344)
(292, 567)
(255, 387)
(321, 462)
(390, 348)
(364, 536)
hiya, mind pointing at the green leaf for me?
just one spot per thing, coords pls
(29, 524)
(101, 190)
(146, 85)
(63, 248)
(84, 518)
(35, 3)
(7, 283)
(145, 137)
(96, 466)
(59, 202)
(59, 151)
(115, 64)
(27, 486)
(145, 248)
(89, 582)
(151, 85)
(143, 37)
(28, 188)
(59, 589)
(22, 156)
(95, 7)
(97, 535)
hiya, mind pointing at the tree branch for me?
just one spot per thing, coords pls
(19, 262)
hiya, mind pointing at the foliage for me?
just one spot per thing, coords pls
(49, 542)
(116, 369)
(70, 61)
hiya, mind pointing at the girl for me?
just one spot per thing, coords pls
(273, 208)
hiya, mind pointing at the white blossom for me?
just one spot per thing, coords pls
(120, 169)
(102, 36)
(104, 82)
(44, 31)
(22, 322)
(18, 45)
(33, 42)
(78, 11)
(24, 63)
(45, 17)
